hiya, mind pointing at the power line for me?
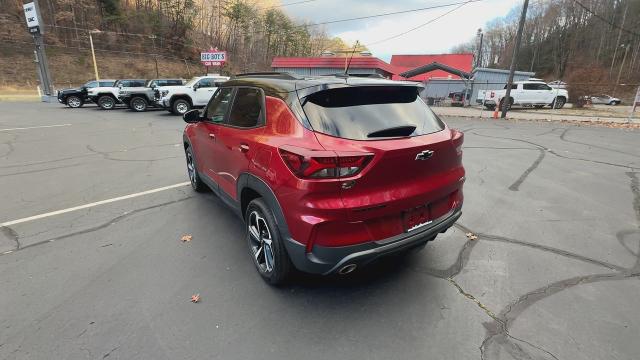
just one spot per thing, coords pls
(421, 25)
(605, 20)
(289, 4)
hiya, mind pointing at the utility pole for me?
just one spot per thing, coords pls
(480, 35)
(93, 52)
(512, 69)
(32, 15)
(155, 55)
(624, 58)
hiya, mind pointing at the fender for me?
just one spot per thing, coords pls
(181, 96)
(247, 180)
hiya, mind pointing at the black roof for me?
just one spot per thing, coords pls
(280, 84)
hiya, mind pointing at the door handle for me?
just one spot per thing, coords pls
(212, 136)
(244, 147)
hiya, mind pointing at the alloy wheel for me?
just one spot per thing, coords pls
(138, 105)
(73, 102)
(182, 108)
(106, 103)
(261, 242)
(191, 168)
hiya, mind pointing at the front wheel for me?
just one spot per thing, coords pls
(106, 102)
(138, 104)
(74, 102)
(266, 247)
(180, 106)
(192, 171)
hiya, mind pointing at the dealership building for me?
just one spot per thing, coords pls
(442, 74)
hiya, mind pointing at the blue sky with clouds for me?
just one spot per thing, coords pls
(434, 38)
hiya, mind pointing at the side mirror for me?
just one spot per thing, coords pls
(196, 86)
(192, 116)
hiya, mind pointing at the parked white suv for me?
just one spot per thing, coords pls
(195, 93)
(107, 97)
(525, 93)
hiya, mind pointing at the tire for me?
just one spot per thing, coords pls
(558, 103)
(508, 106)
(613, 103)
(180, 106)
(74, 102)
(192, 172)
(138, 104)
(266, 246)
(106, 102)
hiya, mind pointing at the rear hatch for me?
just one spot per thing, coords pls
(415, 168)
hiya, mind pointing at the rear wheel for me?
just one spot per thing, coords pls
(192, 171)
(74, 102)
(508, 105)
(138, 104)
(266, 247)
(106, 102)
(558, 103)
(180, 106)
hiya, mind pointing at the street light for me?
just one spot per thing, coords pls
(93, 53)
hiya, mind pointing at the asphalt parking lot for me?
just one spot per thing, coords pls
(554, 273)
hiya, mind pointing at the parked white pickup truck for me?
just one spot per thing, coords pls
(195, 93)
(525, 93)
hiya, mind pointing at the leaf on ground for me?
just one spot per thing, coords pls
(472, 236)
(186, 238)
(195, 298)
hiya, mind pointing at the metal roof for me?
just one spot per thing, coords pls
(502, 71)
(435, 66)
(333, 62)
(404, 63)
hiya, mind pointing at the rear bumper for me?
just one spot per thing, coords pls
(328, 260)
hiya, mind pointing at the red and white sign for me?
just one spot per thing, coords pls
(213, 57)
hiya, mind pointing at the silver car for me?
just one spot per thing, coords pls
(605, 99)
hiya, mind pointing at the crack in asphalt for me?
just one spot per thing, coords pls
(95, 228)
(542, 151)
(563, 138)
(107, 156)
(497, 330)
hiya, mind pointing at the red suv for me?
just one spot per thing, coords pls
(329, 172)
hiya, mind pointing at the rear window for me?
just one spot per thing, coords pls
(370, 112)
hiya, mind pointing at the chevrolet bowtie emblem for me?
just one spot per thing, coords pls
(424, 155)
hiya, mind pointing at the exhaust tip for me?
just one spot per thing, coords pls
(347, 269)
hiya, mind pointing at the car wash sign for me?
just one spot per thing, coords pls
(213, 57)
(32, 16)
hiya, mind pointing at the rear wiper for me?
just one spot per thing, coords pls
(404, 130)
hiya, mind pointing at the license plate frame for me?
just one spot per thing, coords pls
(416, 218)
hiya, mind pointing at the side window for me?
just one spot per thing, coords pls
(513, 86)
(106, 83)
(530, 86)
(91, 84)
(218, 106)
(247, 108)
(544, 87)
(205, 83)
(137, 83)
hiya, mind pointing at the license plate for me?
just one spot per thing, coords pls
(416, 218)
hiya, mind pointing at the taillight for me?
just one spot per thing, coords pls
(321, 164)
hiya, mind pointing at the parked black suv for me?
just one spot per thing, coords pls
(76, 97)
(139, 98)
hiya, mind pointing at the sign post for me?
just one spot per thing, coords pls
(636, 101)
(213, 57)
(34, 24)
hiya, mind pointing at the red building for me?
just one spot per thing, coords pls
(363, 65)
(404, 63)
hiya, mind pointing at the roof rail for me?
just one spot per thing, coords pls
(271, 74)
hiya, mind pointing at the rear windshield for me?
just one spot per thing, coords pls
(370, 112)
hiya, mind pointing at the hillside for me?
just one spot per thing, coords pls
(134, 33)
(594, 45)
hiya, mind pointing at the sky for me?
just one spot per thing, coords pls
(435, 38)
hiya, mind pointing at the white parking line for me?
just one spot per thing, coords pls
(35, 127)
(85, 206)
